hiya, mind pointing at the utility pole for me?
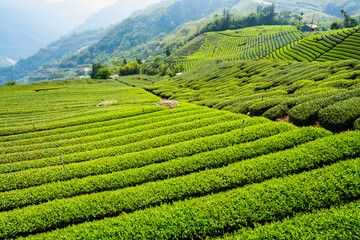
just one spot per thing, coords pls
(312, 22)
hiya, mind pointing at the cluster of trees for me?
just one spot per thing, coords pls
(100, 72)
(130, 69)
(262, 16)
(160, 66)
(10, 83)
(347, 22)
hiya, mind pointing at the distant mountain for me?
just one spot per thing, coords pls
(51, 54)
(22, 33)
(146, 27)
(112, 14)
(26, 26)
(350, 6)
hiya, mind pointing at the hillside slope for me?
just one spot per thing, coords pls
(244, 44)
(340, 45)
(50, 55)
(26, 26)
(138, 30)
(71, 170)
(130, 37)
(271, 42)
(306, 93)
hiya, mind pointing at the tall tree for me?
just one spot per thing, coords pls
(167, 51)
(95, 69)
(103, 73)
(285, 15)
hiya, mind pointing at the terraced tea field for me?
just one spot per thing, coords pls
(340, 45)
(133, 170)
(275, 43)
(245, 44)
(303, 93)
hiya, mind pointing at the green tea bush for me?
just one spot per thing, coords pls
(216, 214)
(259, 108)
(222, 156)
(276, 112)
(340, 116)
(80, 121)
(35, 177)
(307, 113)
(89, 129)
(357, 124)
(99, 147)
(104, 132)
(42, 217)
(338, 222)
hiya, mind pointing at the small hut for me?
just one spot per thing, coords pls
(309, 28)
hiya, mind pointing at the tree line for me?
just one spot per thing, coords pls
(347, 22)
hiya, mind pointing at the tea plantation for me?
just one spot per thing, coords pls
(274, 43)
(244, 44)
(133, 170)
(304, 93)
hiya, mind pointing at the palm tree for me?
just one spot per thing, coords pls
(301, 17)
(343, 12)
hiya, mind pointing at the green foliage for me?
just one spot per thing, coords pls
(272, 200)
(349, 21)
(166, 152)
(134, 36)
(134, 169)
(307, 113)
(130, 69)
(10, 83)
(344, 222)
(336, 24)
(95, 69)
(120, 200)
(103, 73)
(334, 46)
(260, 108)
(47, 104)
(45, 57)
(243, 44)
(96, 127)
(178, 68)
(139, 61)
(340, 116)
(109, 146)
(267, 88)
(151, 71)
(357, 124)
(168, 51)
(263, 16)
(276, 112)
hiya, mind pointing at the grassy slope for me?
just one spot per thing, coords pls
(334, 46)
(150, 172)
(51, 102)
(245, 44)
(307, 92)
(275, 43)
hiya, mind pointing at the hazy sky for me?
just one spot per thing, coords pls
(99, 4)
